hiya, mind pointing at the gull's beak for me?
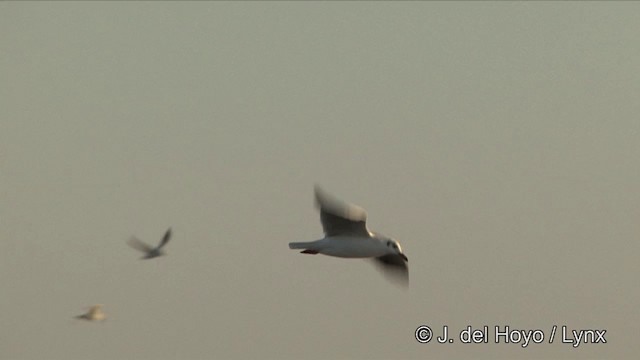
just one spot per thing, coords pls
(404, 257)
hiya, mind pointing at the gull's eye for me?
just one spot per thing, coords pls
(395, 246)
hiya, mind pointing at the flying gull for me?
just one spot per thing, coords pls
(150, 252)
(347, 236)
(95, 313)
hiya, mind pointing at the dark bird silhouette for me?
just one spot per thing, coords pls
(149, 251)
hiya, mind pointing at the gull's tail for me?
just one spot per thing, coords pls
(299, 245)
(307, 246)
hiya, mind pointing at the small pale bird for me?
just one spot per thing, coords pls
(95, 313)
(150, 252)
(347, 236)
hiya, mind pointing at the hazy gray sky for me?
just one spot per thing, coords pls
(498, 142)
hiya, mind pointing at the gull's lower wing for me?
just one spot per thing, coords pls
(394, 267)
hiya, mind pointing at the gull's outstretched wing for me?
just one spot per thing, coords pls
(95, 309)
(139, 245)
(340, 218)
(94, 313)
(165, 239)
(394, 267)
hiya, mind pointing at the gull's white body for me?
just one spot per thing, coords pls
(345, 246)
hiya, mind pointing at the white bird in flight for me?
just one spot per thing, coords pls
(150, 252)
(95, 313)
(347, 236)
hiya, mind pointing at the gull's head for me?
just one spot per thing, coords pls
(393, 247)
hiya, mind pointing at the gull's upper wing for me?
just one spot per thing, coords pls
(165, 239)
(394, 267)
(139, 245)
(94, 310)
(340, 218)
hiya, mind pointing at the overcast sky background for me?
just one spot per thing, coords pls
(498, 142)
